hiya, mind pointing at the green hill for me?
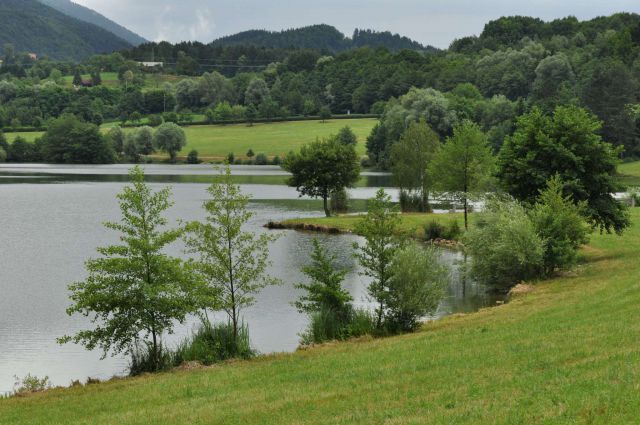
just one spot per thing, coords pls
(91, 16)
(34, 27)
(320, 37)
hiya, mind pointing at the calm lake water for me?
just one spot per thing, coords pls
(50, 229)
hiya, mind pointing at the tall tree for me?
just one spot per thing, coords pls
(411, 158)
(134, 290)
(231, 261)
(170, 137)
(378, 228)
(464, 165)
(322, 168)
(568, 144)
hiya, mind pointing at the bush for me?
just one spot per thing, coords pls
(504, 246)
(192, 158)
(170, 117)
(142, 360)
(410, 202)
(231, 158)
(212, 343)
(155, 120)
(325, 325)
(3, 155)
(560, 224)
(417, 285)
(31, 384)
(276, 160)
(261, 159)
(453, 231)
(434, 230)
(339, 202)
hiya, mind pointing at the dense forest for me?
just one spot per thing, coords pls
(31, 26)
(514, 65)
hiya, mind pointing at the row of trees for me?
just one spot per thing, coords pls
(135, 292)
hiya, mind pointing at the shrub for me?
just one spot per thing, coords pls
(250, 153)
(31, 384)
(231, 158)
(339, 201)
(410, 202)
(192, 158)
(434, 230)
(261, 159)
(212, 343)
(3, 155)
(560, 224)
(453, 231)
(325, 325)
(504, 246)
(143, 360)
(417, 285)
(276, 160)
(155, 120)
(171, 117)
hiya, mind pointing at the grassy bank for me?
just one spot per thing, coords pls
(566, 353)
(411, 225)
(630, 173)
(215, 142)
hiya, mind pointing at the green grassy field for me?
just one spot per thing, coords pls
(110, 79)
(630, 173)
(214, 142)
(566, 353)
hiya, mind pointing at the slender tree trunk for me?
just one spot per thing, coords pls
(155, 348)
(466, 208)
(325, 200)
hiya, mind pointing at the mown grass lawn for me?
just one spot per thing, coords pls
(215, 142)
(630, 173)
(566, 353)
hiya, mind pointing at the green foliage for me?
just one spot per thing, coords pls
(192, 158)
(325, 113)
(3, 155)
(339, 202)
(325, 291)
(170, 137)
(68, 140)
(134, 292)
(230, 262)
(346, 136)
(261, 159)
(213, 343)
(565, 144)
(504, 246)
(144, 359)
(31, 384)
(464, 165)
(411, 160)
(379, 229)
(561, 225)
(417, 285)
(322, 168)
(325, 325)
(155, 120)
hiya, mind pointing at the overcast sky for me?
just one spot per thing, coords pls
(435, 22)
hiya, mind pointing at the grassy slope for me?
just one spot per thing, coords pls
(216, 141)
(566, 353)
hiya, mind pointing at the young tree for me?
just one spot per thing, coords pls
(567, 144)
(170, 138)
(250, 114)
(257, 92)
(416, 287)
(378, 228)
(117, 138)
(325, 292)
(231, 261)
(411, 158)
(77, 78)
(561, 225)
(322, 168)
(325, 113)
(346, 136)
(464, 165)
(134, 290)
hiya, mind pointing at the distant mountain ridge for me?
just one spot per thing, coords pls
(32, 26)
(322, 37)
(91, 16)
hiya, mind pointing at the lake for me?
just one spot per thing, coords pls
(50, 229)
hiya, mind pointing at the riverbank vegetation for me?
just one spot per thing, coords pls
(580, 327)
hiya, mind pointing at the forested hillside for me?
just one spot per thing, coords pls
(515, 65)
(320, 37)
(88, 15)
(34, 27)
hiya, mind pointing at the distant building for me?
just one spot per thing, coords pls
(32, 56)
(151, 64)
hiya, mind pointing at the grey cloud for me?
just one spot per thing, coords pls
(428, 21)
